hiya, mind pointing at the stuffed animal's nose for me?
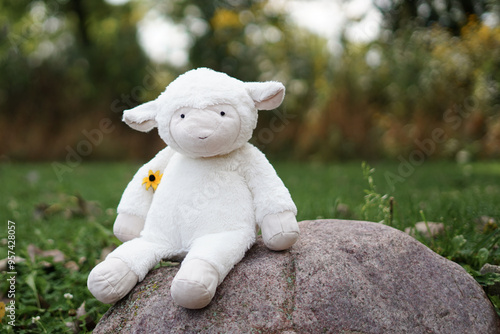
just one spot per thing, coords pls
(200, 125)
(202, 132)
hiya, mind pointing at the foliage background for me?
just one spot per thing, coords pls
(68, 64)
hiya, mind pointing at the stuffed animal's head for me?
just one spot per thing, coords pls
(205, 113)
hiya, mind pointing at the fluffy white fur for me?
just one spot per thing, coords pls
(198, 197)
(216, 188)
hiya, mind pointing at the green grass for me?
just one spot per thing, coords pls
(48, 214)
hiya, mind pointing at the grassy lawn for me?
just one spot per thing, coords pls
(75, 217)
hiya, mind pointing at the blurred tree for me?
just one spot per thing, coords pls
(74, 62)
(67, 64)
(451, 14)
(391, 96)
(250, 40)
(85, 45)
(63, 61)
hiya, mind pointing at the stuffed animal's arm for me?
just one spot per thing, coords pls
(275, 210)
(136, 200)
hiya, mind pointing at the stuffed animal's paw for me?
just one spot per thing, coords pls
(280, 230)
(127, 227)
(111, 280)
(194, 285)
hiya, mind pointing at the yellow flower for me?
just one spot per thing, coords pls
(152, 180)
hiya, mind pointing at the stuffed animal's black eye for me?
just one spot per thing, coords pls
(182, 115)
(222, 113)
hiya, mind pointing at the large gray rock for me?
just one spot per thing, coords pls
(341, 277)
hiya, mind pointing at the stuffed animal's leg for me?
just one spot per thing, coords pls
(113, 278)
(206, 265)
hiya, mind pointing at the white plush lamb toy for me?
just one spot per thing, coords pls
(203, 197)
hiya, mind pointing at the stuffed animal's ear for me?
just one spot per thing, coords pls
(142, 117)
(266, 95)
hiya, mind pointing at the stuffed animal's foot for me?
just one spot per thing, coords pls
(194, 285)
(280, 230)
(127, 227)
(111, 280)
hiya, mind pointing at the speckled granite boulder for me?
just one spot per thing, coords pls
(341, 277)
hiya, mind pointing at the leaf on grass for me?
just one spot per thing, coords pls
(80, 318)
(68, 206)
(80, 312)
(30, 281)
(56, 255)
(426, 229)
(2, 311)
(72, 266)
(105, 252)
(4, 262)
(486, 224)
(458, 242)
